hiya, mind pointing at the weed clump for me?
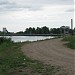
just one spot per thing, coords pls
(3, 39)
(71, 41)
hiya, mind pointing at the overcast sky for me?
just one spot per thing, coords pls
(16, 15)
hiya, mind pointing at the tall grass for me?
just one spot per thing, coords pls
(71, 41)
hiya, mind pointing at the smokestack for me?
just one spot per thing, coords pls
(72, 24)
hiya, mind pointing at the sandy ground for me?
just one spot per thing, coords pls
(52, 52)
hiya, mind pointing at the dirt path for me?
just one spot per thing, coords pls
(51, 52)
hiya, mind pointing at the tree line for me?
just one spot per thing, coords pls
(45, 30)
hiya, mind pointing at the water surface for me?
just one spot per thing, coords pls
(28, 38)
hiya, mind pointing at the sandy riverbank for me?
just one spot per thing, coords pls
(52, 52)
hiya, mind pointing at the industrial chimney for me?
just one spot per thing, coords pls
(72, 24)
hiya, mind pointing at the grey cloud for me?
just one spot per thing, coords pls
(70, 10)
(7, 5)
(10, 6)
(13, 6)
(3, 3)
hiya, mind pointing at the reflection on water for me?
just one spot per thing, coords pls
(27, 38)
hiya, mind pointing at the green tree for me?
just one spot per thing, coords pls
(33, 30)
(38, 30)
(45, 30)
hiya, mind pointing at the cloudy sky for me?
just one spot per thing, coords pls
(16, 15)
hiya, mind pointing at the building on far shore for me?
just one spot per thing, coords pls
(5, 30)
(65, 29)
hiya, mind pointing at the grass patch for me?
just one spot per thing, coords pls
(13, 62)
(71, 41)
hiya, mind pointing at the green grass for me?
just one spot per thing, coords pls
(13, 62)
(71, 41)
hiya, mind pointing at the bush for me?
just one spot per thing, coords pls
(71, 41)
(3, 39)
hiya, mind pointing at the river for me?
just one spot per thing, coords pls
(27, 38)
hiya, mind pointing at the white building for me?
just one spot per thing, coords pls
(5, 30)
(65, 29)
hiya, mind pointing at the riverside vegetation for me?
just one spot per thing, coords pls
(70, 40)
(13, 62)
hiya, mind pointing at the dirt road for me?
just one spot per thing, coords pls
(52, 52)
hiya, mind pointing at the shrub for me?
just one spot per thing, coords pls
(71, 41)
(3, 39)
